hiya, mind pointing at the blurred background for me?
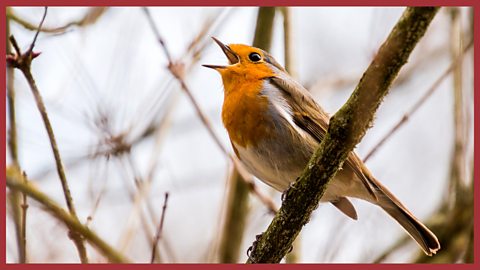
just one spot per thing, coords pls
(128, 133)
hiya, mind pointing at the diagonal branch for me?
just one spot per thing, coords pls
(15, 183)
(347, 127)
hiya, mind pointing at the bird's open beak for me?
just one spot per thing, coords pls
(231, 56)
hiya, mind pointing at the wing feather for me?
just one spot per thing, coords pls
(309, 116)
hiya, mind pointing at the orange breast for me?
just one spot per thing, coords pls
(245, 112)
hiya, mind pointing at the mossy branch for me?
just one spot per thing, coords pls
(347, 127)
(16, 184)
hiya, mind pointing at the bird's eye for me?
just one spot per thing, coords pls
(254, 57)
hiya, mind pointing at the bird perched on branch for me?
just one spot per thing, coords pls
(275, 126)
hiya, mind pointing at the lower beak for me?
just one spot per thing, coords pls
(214, 66)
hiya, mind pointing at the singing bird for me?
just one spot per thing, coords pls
(275, 126)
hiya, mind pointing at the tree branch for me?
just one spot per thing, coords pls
(347, 127)
(264, 27)
(14, 183)
(91, 16)
(158, 235)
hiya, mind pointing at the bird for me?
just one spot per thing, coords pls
(275, 125)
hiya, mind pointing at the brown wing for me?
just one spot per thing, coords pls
(309, 116)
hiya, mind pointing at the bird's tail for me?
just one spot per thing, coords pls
(419, 232)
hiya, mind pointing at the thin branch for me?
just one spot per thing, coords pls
(419, 103)
(38, 31)
(458, 172)
(346, 129)
(20, 219)
(23, 63)
(14, 182)
(158, 235)
(90, 17)
(157, 33)
(12, 131)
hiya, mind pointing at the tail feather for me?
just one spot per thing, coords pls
(419, 232)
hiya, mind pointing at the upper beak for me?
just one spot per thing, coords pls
(232, 57)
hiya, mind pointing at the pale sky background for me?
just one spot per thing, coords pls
(116, 68)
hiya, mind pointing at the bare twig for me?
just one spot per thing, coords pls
(23, 63)
(158, 235)
(15, 183)
(38, 31)
(90, 17)
(157, 33)
(419, 103)
(136, 196)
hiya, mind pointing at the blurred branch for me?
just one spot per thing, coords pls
(458, 162)
(347, 127)
(452, 220)
(457, 61)
(405, 239)
(18, 211)
(288, 40)
(295, 254)
(159, 229)
(136, 197)
(15, 183)
(12, 131)
(455, 230)
(91, 16)
(158, 105)
(264, 27)
(19, 207)
(234, 219)
(337, 81)
(23, 63)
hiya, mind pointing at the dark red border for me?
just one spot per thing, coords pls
(240, 3)
(247, 3)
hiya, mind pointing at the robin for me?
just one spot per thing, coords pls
(275, 126)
